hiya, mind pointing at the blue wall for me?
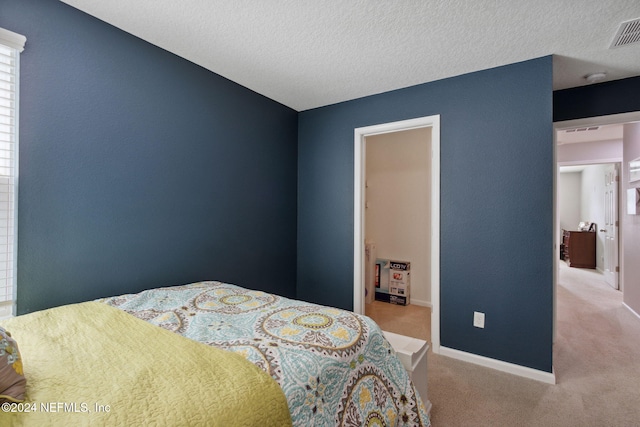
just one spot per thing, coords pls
(496, 204)
(139, 169)
(603, 99)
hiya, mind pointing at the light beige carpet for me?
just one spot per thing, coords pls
(596, 363)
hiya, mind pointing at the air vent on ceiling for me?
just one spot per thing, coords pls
(582, 129)
(629, 32)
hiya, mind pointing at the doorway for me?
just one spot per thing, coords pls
(581, 157)
(588, 200)
(431, 124)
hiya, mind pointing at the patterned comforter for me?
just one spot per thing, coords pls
(335, 367)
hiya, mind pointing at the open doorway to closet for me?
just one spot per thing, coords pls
(397, 221)
(396, 205)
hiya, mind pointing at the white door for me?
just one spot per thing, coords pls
(610, 229)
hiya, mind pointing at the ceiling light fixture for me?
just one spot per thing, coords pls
(595, 77)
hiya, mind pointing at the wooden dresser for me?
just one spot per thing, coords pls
(579, 248)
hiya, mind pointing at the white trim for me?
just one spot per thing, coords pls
(435, 236)
(358, 226)
(13, 40)
(16, 186)
(631, 310)
(360, 134)
(510, 368)
(612, 119)
(6, 309)
(590, 162)
(15, 44)
(420, 303)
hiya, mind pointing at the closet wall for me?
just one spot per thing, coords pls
(398, 192)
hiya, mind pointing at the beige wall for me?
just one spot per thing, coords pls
(398, 192)
(569, 193)
(589, 152)
(631, 223)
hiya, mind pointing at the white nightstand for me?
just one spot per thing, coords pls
(412, 352)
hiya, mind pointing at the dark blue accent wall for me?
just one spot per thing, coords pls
(139, 169)
(496, 204)
(603, 99)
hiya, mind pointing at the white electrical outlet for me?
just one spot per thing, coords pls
(478, 319)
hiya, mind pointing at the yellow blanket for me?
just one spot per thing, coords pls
(92, 364)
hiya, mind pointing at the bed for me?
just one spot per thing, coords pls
(325, 366)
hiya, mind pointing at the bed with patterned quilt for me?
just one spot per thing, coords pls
(334, 367)
(203, 354)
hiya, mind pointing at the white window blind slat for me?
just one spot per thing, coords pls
(7, 129)
(11, 44)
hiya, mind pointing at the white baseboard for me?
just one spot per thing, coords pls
(420, 302)
(521, 371)
(631, 310)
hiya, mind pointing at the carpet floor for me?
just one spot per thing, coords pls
(596, 361)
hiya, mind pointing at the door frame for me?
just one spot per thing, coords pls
(567, 124)
(360, 135)
(613, 273)
(616, 162)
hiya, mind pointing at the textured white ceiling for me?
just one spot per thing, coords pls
(307, 54)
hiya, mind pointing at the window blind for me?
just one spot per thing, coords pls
(10, 46)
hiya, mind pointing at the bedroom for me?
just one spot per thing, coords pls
(208, 180)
